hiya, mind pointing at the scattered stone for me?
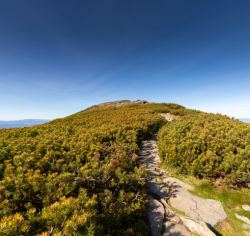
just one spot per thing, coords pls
(156, 214)
(196, 226)
(246, 207)
(242, 218)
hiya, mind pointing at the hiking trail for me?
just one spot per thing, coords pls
(173, 210)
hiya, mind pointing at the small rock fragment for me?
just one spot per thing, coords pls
(246, 207)
(242, 218)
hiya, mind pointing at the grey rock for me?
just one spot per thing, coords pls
(155, 216)
(198, 227)
(170, 214)
(173, 229)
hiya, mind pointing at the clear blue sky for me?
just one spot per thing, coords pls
(58, 57)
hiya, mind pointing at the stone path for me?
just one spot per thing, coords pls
(168, 193)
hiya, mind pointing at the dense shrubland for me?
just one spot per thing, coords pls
(78, 175)
(208, 146)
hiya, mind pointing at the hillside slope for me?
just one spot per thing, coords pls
(78, 175)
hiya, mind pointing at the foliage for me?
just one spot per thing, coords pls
(208, 146)
(78, 175)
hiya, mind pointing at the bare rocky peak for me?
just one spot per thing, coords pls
(122, 103)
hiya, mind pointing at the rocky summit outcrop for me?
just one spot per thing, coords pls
(167, 194)
(120, 103)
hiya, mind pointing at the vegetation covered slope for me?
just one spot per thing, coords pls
(78, 175)
(208, 146)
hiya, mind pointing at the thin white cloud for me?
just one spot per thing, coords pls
(237, 109)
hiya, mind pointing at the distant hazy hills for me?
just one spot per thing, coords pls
(245, 120)
(32, 122)
(21, 123)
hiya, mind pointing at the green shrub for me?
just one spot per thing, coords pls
(208, 146)
(78, 175)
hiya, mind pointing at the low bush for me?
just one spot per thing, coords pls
(208, 146)
(78, 175)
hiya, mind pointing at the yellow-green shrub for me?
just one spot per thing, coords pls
(43, 170)
(208, 146)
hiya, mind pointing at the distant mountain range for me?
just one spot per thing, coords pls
(21, 123)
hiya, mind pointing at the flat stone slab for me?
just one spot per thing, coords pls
(207, 210)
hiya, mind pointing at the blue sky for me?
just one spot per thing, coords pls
(58, 57)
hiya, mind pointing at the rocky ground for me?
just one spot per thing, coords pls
(173, 210)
